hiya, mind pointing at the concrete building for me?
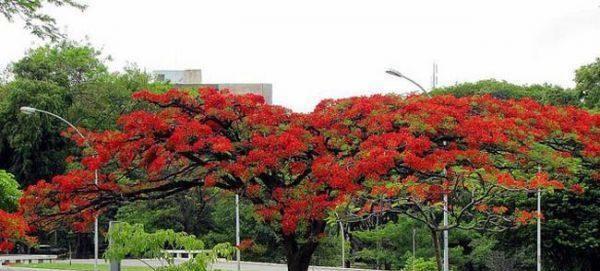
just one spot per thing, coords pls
(192, 79)
(179, 77)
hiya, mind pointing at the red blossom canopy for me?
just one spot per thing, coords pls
(408, 152)
(402, 152)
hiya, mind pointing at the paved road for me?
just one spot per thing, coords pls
(223, 265)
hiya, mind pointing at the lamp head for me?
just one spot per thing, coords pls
(28, 110)
(394, 72)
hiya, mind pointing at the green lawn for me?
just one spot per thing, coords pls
(79, 266)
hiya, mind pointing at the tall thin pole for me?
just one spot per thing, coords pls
(377, 228)
(237, 230)
(539, 227)
(434, 77)
(446, 262)
(96, 228)
(343, 245)
(96, 243)
(31, 110)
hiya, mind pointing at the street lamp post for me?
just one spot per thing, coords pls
(343, 245)
(237, 231)
(29, 111)
(539, 231)
(446, 256)
(400, 75)
(446, 266)
(539, 227)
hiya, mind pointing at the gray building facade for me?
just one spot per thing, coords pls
(192, 79)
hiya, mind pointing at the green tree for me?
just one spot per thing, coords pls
(36, 20)
(30, 146)
(66, 64)
(133, 241)
(544, 93)
(9, 192)
(68, 79)
(588, 84)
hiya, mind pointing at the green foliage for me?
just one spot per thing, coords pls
(128, 240)
(469, 250)
(389, 245)
(588, 84)
(544, 93)
(68, 79)
(9, 192)
(134, 241)
(66, 64)
(266, 243)
(32, 13)
(182, 212)
(31, 146)
(329, 251)
(420, 264)
(480, 249)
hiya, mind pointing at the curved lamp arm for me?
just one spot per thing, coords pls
(400, 75)
(30, 110)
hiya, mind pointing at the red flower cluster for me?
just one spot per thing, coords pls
(12, 228)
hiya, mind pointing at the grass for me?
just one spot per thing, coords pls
(79, 266)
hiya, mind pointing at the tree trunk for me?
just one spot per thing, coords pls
(436, 245)
(298, 255)
(299, 261)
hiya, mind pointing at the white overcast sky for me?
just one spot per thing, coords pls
(315, 49)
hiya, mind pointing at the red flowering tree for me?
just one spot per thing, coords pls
(406, 154)
(296, 168)
(12, 230)
(206, 139)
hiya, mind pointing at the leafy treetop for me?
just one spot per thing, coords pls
(65, 64)
(587, 78)
(9, 191)
(542, 93)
